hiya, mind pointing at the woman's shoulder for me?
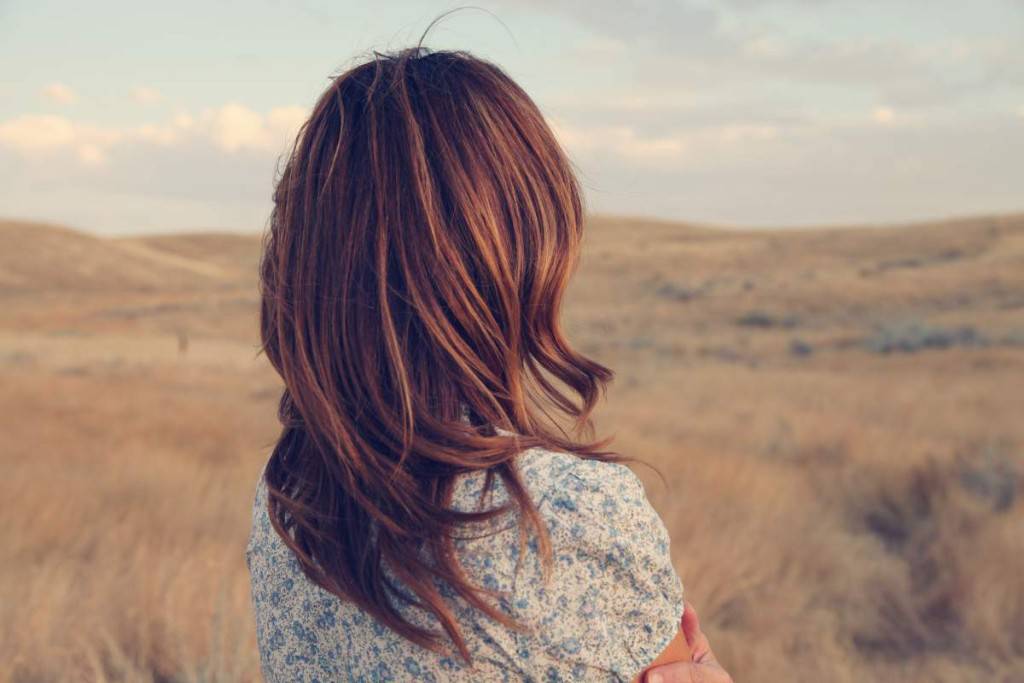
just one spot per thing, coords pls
(614, 600)
(568, 487)
(601, 526)
(553, 478)
(595, 503)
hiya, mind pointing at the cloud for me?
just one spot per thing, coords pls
(883, 115)
(230, 128)
(718, 46)
(623, 141)
(675, 149)
(60, 93)
(43, 135)
(209, 168)
(815, 174)
(146, 95)
(234, 126)
(618, 28)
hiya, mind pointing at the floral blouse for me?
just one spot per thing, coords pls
(611, 605)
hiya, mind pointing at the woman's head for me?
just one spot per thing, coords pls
(424, 230)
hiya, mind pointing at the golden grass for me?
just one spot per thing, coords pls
(837, 513)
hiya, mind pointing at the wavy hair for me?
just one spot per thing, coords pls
(424, 228)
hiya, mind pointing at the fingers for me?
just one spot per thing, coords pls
(688, 672)
(690, 623)
(696, 639)
(703, 669)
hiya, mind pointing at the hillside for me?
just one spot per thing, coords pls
(836, 413)
(40, 257)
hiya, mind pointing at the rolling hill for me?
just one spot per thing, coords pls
(836, 413)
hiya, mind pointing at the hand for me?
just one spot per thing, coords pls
(703, 668)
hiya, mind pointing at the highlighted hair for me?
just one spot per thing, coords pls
(424, 229)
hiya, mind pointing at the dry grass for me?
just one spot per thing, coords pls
(838, 513)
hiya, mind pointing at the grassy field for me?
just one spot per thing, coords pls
(839, 416)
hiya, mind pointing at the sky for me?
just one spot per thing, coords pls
(142, 117)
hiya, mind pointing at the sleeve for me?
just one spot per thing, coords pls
(614, 600)
(258, 520)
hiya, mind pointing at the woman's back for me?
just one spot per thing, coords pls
(424, 231)
(612, 603)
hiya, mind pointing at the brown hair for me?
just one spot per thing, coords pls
(424, 229)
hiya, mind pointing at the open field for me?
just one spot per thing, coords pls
(839, 416)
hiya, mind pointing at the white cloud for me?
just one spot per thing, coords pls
(286, 121)
(146, 95)
(43, 134)
(30, 133)
(234, 126)
(60, 93)
(91, 155)
(883, 115)
(631, 102)
(229, 128)
(620, 140)
(691, 145)
(166, 134)
(765, 45)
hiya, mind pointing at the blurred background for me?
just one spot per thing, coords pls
(805, 262)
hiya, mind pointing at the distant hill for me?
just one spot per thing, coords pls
(41, 256)
(230, 252)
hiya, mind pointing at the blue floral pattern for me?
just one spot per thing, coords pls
(612, 602)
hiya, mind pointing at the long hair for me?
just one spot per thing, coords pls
(424, 228)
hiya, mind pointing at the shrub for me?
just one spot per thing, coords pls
(913, 336)
(766, 320)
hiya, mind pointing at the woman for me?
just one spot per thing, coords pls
(422, 517)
